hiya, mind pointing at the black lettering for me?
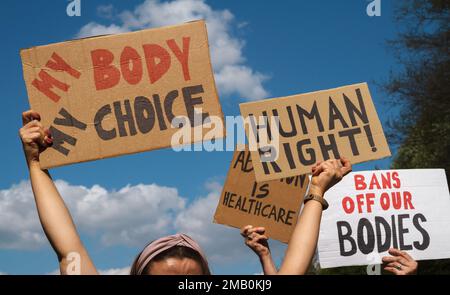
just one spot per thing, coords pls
(402, 231)
(274, 165)
(425, 236)
(190, 102)
(293, 127)
(335, 114)
(326, 148)
(99, 116)
(59, 138)
(350, 133)
(122, 118)
(145, 122)
(364, 247)
(310, 115)
(168, 105)
(352, 109)
(69, 120)
(309, 151)
(345, 237)
(380, 221)
(288, 153)
(159, 112)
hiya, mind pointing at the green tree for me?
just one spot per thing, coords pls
(420, 90)
(422, 130)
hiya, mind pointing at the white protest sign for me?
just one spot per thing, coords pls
(372, 211)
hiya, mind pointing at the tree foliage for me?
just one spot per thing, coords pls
(421, 130)
(420, 90)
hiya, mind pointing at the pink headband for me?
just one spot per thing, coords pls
(163, 244)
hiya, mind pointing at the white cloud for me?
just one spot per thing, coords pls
(233, 76)
(131, 216)
(19, 225)
(105, 11)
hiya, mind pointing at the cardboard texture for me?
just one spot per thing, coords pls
(118, 94)
(371, 211)
(313, 127)
(273, 204)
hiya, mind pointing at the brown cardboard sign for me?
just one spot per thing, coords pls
(119, 94)
(273, 204)
(313, 127)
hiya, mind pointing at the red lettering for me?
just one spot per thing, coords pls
(370, 201)
(396, 179)
(360, 201)
(348, 205)
(182, 56)
(396, 200)
(133, 75)
(407, 200)
(374, 182)
(359, 182)
(386, 180)
(46, 84)
(58, 64)
(156, 70)
(106, 75)
(385, 202)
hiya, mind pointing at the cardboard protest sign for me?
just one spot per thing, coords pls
(119, 94)
(273, 204)
(372, 211)
(306, 128)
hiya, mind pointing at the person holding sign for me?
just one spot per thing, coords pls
(176, 254)
(63, 236)
(256, 240)
(303, 241)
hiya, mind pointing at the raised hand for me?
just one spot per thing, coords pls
(35, 138)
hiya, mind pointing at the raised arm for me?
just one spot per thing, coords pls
(304, 238)
(256, 240)
(53, 213)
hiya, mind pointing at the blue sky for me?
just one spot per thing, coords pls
(286, 47)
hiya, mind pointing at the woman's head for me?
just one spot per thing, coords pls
(177, 254)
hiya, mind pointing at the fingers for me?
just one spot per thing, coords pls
(249, 230)
(313, 168)
(346, 166)
(245, 229)
(29, 116)
(260, 238)
(318, 169)
(396, 265)
(341, 167)
(260, 230)
(34, 131)
(396, 259)
(397, 252)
